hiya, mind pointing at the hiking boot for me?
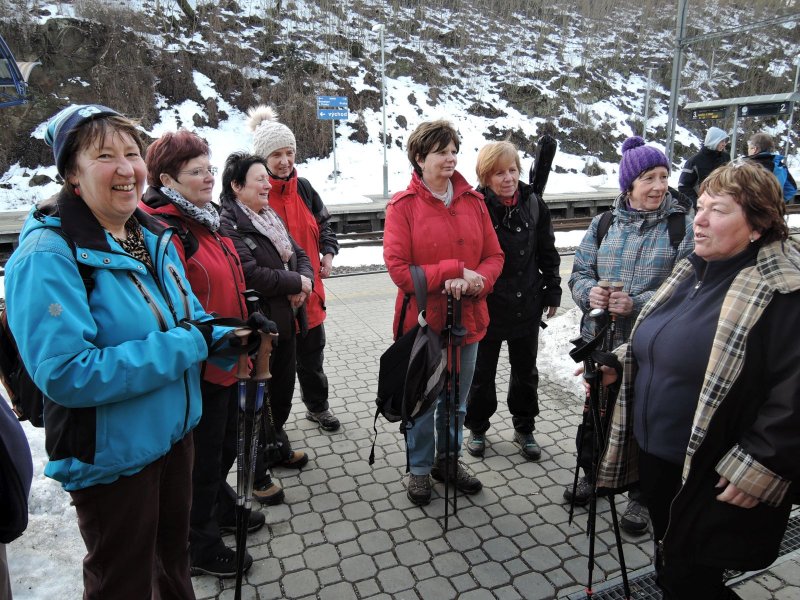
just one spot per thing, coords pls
(476, 444)
(255, 522)
(223, 565)
(527, 445)
(325, 418)
(582, 492)
(269, 493)
(465, 481)
(419, 489)
(296, 459)
(635, 520)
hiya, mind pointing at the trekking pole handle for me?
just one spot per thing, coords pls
(243, 364)
(264, 352)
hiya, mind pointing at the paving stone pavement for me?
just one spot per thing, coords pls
(347, 530)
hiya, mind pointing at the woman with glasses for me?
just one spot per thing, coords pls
(528, 285)
(181, 179)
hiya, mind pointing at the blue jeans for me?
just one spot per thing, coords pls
(422, 443)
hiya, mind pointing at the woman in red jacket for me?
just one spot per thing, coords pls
(181, 179)
(441, 224)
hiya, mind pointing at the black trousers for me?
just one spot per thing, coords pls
(679, 579)
(215, 452)
(136, 531)
(312, 378)
(523, 396)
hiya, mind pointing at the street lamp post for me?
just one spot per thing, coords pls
(382, 29)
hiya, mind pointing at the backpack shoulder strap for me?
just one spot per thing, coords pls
(420, 287)
(84, 269)
(676, 225)
(304, 189)
(189, 241)
(604, 225)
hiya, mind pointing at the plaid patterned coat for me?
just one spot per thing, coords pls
(747, 416)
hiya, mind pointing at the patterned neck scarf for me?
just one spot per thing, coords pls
(133, 244)
(206, 216)
(268, 223)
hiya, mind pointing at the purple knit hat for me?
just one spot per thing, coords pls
(636, 159)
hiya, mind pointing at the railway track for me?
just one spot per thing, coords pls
(375, 238)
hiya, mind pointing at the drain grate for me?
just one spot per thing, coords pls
(643, 582)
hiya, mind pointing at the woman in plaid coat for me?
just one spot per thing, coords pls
(709, 406)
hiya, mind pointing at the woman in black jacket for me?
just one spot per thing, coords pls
(276, 267)
(528, 285)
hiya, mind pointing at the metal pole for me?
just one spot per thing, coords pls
(647, 102)
(335, 164)
(791, 113)
(677, 59)
(383, 106)
(735, 132)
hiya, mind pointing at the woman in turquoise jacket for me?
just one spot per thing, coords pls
(110, 331)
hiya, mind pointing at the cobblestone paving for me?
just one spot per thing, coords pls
(347, 530)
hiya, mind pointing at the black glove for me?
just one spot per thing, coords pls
(204, 328)
(258, 322)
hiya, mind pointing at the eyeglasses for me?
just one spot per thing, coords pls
(200, 172)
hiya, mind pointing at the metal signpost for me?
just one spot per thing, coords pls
(333, 108)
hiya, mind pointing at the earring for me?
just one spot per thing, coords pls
(752, 239)
(77, 190)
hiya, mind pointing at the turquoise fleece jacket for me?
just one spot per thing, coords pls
(123, 377)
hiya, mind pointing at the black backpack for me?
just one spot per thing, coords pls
(26, 399)
(412, 369)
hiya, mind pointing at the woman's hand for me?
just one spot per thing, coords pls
(733, 495)
(620, 304)
(325, 266)
(551, 311)
(305, 285)
(297, 299)
(457, 287)
(598, 297)
(609, 376)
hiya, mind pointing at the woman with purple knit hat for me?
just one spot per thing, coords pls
(638, 250)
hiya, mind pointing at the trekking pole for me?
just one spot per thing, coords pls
(247, 453)
(253, 300)
(448, 394)
(598, 397)
(457, 335)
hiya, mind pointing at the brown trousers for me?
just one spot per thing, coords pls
(136, 531)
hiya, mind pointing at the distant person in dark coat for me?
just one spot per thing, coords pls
(698, 167)
(528, 285)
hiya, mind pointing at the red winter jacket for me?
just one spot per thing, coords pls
(285, 200)
(420, 230)
(213, 269)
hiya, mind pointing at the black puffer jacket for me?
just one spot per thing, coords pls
(264, 270)
(530, 279)
(697, 168)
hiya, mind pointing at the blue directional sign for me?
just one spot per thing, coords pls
(332, 101)
(329, 114)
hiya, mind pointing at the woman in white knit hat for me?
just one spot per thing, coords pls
(308, 221)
